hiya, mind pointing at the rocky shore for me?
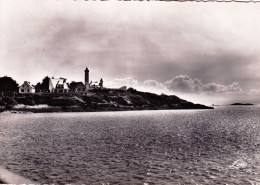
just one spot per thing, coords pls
(95, 100)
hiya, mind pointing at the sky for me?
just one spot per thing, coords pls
(203, 52)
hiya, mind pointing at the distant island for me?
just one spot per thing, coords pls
(242, 104)
(96, 100)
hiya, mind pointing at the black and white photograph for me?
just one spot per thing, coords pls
(129, 92)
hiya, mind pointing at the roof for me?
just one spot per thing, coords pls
(27, 83)
(74, 85)
(60, 81)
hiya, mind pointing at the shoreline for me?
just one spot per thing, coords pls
(79, 109)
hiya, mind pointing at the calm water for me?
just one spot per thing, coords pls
(153, 147)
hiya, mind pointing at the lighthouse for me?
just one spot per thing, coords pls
(87, 78)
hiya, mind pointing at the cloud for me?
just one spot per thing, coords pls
(193, 90)
(254, 91)
(186, 84)
(153, 83)
(129, 82)
(180, 84)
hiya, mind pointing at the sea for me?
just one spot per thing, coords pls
(219, 146)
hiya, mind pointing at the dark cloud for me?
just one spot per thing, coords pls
(223, 67)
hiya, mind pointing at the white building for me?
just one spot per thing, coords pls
(96, 85)
(58, 85)
(26, 87)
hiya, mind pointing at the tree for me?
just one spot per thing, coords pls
(38, 87)
(8, 84)
(45, 83)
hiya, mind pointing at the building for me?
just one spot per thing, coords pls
(93, 85)
(58, 85)
(77, 87)
(87, 79)
(96, 85)
(26, 88)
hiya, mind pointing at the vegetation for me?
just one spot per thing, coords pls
(45, 83)
(8, 84)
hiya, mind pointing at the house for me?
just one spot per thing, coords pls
(93, 85)
(58, 85)
(26, 88)
(96, 85)
(77, 87)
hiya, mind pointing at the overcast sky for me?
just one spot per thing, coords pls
(204, 52)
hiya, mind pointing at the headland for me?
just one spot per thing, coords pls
(94, 101)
